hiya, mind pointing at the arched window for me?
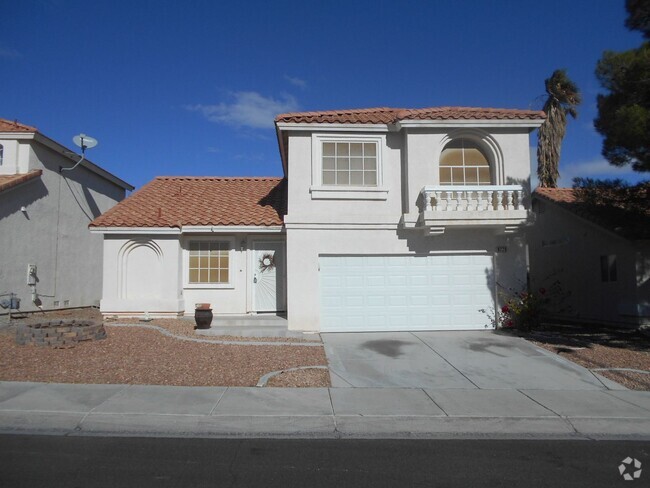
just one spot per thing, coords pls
(462, 162)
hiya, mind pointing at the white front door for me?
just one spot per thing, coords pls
(400, 293)
(269, 272)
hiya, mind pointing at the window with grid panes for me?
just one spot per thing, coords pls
(209, 262)
(349, 163)
(463, 163)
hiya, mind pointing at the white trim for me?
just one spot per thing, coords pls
(202, 229)
(346, 192)
(335, 127)
(135, 230)
(532, 123)
(194, 229)
(347, 226)
(185, 250)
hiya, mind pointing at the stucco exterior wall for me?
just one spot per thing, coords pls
(148, 273)
(567, 248)
(305, 246)
(142, 273)
(52, 233)
(359, 226)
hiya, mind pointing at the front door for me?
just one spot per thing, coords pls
(269, 272)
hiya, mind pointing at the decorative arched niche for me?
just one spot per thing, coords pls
(140, 270)
(469, 157)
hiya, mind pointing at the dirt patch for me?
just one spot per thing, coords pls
(303, 378)
(144, 356)
(596, 348)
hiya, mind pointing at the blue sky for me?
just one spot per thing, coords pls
(191, 88)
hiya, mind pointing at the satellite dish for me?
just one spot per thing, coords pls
(84, 141)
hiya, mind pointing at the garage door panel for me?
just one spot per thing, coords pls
(404, 292)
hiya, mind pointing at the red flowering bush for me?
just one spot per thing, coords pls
(525, 309)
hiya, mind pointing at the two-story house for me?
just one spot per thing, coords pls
(387, 219)
(48, 258)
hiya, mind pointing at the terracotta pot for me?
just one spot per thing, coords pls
(203, 318)
(202, 306)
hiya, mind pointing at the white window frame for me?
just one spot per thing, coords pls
(345, 192)
(465, 167)
(186, 262)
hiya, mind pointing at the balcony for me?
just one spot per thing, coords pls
(450, 206)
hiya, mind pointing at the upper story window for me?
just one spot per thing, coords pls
(2, 154)
(462, 162)
(350, 163)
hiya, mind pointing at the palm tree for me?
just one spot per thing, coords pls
(563, 98)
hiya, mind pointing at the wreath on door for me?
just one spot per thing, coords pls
(267, 262)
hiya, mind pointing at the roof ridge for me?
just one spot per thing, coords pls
(387, 115)
(225, 178)
(18, 125)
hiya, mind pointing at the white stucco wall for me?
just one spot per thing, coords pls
(142, 273)
(358, 226)
(149, 273)
(52, 233)
(567, 248)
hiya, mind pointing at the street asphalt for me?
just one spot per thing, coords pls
(93, 462)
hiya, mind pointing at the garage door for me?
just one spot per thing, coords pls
(393, 293)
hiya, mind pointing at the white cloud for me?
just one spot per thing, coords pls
(247, 109)
(594, 168)
(296, 81)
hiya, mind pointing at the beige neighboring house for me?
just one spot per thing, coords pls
(600, 253)
(49, 258)
(387, 220)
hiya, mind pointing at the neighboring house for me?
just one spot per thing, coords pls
(598, 251)
(49, 258)
(393, 220)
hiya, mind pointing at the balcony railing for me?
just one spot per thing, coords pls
(472, 206)
(481, 198)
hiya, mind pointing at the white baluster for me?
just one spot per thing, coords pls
(427, 201)
(510, 196)
(448, 207)
(479, 200)
(520, 197)
(499, 199)
(459, 200)
(437, 197)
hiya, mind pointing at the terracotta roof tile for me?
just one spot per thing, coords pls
(181, 201)
(623, 211)
(9, 181)
(15, 126)
(385, 115)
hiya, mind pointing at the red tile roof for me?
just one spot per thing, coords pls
(624, 211)
(385, 115)
(181, 201)
(9, 181)
(15, 126)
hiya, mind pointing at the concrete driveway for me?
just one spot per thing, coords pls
(450, 360)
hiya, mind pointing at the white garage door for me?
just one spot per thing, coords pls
(392, 293)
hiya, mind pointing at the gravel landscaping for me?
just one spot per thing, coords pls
(599, 349)
(134, 355)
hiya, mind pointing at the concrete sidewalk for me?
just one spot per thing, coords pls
(138, 410)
